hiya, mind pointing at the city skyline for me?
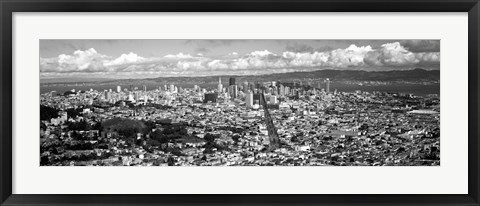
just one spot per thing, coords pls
(136, 59)
(296, 103)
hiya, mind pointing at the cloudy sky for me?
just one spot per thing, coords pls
(157, 58)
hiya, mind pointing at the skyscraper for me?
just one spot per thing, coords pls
(327, 85)
(144, 88)
(273, 99)
(249, 99)
(136, 97)
(232, 91)
(119, 89)
(108, 95)
(231, 81)
(220, 86)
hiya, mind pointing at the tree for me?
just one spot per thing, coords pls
(236, 138)
(80, 125)
(171, 161)
(125, 127)
(210, 137)
(47, 113)
(150, 125)
(97, 126)
(74, 112)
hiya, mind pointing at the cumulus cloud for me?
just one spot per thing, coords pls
(86, 61)
(421, 45)
(390, 55)
(297, 59)
(264, 53)
(394, 54)
(351, 56)
(125, 59)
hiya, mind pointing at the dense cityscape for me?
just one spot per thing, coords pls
(239, 124)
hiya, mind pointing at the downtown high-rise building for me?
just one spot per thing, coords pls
(136, 97)
(281, 90)
(108, 95)
(245, 87)
(327, 85)
(119, 89)
(231, 81)
(233, 91)
(273, 99)
(249, 99)
(220, 86)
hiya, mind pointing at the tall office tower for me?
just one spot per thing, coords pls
(231, 81)
(272, 131)
(245, 87)
(275, 90)
(195, 87)
(130, 97)
(273, 99)
(249, 99)
(327, 85)
(281, 90)
(232, 91)
(136, 97)
(172, 88)
(119, 89)
(220, 86)
(319, 86)
(108, 95)
(144, 88)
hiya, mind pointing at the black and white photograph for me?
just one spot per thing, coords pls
(239, 102)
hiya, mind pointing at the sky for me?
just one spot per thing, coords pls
(123, 59)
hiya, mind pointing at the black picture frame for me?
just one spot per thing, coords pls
(7, 7)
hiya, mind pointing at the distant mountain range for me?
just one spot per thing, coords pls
(414, 75)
